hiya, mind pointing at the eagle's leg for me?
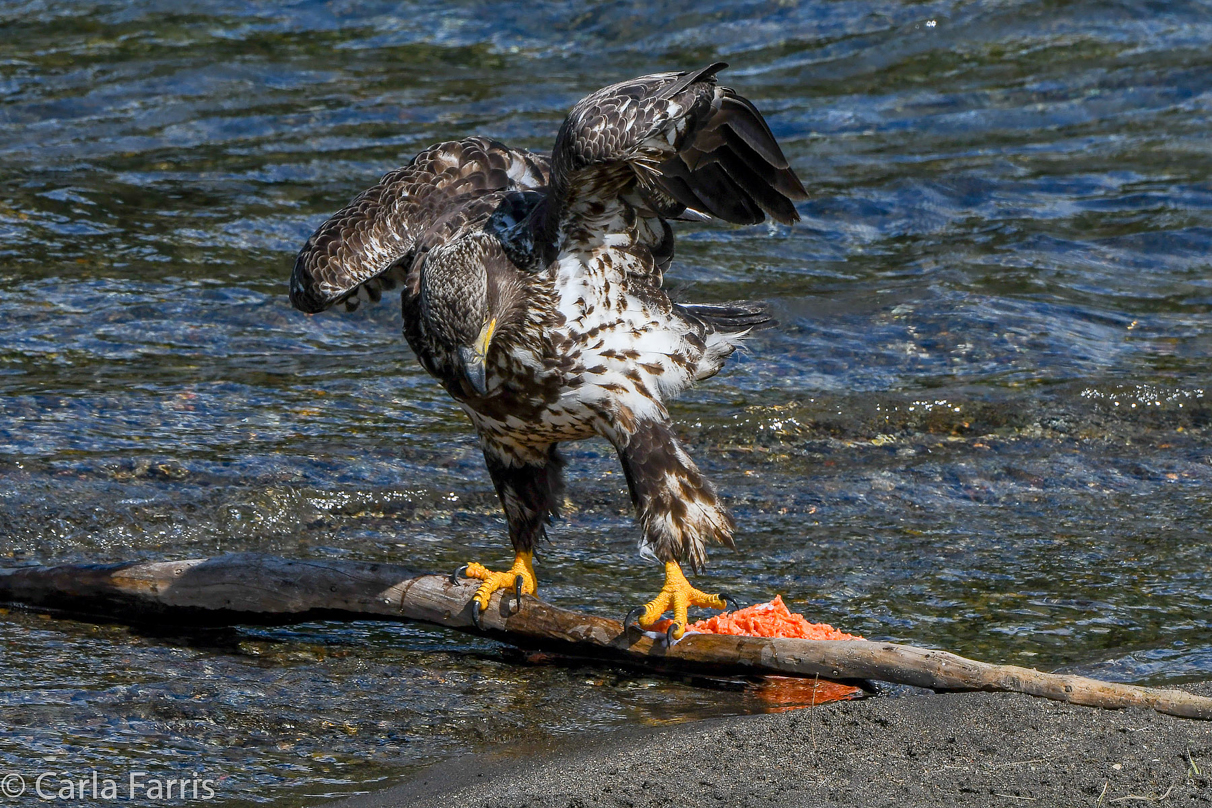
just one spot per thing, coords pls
(679, 512)
(530, 483)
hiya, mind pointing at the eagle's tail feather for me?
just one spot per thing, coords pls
(729, 318)
(725, 327)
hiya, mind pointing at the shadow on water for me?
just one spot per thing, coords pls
(982, 425)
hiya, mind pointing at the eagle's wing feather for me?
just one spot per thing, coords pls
(678, 141)
(353, 251)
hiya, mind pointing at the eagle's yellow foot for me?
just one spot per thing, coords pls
(679, 595)
(520, 578)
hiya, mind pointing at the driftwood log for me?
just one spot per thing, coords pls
(253, 588)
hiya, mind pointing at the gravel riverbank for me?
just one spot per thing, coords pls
(914, 750)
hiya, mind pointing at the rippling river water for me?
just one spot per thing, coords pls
(983, 424)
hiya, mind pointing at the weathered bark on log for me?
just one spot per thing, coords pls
(253, 588)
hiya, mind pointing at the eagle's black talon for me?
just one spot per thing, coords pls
(476, 611)
(669, 639)
(517, 596)
(729, 598)
(454, 576)
(634, 614)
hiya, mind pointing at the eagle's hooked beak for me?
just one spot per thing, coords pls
(473, 356)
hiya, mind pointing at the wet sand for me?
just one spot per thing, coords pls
(921, 749)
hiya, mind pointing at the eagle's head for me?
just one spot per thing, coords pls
(470, 300)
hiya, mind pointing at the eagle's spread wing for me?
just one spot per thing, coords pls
(679, 142)
(354, 254)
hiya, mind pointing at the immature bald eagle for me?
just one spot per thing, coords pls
(532, 292)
